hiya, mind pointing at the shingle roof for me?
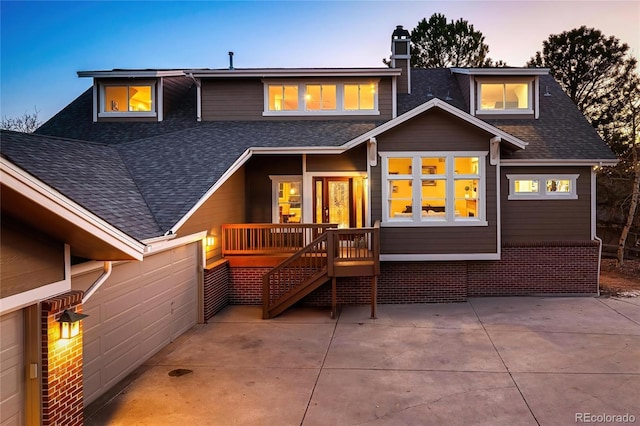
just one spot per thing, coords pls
(75, 121)
(91, 174)
(143, 177)
(560, 133)
(174, 171)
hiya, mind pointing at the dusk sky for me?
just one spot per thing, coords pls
(44, 44)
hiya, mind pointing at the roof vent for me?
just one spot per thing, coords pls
(546, 92)
(448, 98)
(231, 60)
(429, 93)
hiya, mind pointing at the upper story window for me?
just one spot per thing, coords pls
(321, 99)
(128, 100)
(538, 187)
(434, 189)
(505, 97)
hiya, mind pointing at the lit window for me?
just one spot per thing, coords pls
(283, 97)
(434, 188)
(505, 97)
(128, 99)
(300, 98)
(536, 187)
(287, 199)
(320, 97)
(359, 96)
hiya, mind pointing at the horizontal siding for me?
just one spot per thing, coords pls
(353, 160)
(437, 131)
(174, 88)
(547, 220)
(434, 130)
(258, 188)
(243, 99)
(29, 260)
(226, 205)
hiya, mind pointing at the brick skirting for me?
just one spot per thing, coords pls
(216, 288)
(554, 268)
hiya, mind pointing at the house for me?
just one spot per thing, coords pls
(402, 185)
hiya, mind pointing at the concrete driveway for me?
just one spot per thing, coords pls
(492, 361)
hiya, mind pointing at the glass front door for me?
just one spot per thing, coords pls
(339, 200)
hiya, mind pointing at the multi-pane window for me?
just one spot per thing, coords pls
(359, 96)
(505, 96)
(287, 199)
(321, 98)
(128, 98)
(535, 187)
(283, 97)
(434, 188)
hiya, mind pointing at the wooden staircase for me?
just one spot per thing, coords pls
(335, 253)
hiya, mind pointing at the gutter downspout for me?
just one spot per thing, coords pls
(108, 267)
(599, 260)
(198, 96)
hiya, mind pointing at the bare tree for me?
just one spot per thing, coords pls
(26, 123)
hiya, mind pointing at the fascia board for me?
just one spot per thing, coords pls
(328, 72)
(559, 162)
(42, 194)
(131, 73)
(501, 71)
(506, 137)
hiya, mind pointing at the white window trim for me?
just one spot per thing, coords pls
(302, 111)
(275, 188)
(513, 111)
(542, 186)
(154, 104)
(449, 219)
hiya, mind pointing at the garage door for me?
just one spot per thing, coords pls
(12, 369)
(141, 308)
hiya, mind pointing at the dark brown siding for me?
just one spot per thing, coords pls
(226, 205)
(29, 259)
(258, 188)
(547, 220)
(353, 160)
(437, 131)
(243, 99)
(465, 83)
(174, 89)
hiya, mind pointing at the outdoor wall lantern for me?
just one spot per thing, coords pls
(70, 324)
(210, 241)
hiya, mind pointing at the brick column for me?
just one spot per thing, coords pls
(62, 396)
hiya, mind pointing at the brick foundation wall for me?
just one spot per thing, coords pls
(216, 288)
(62, 391)
(525, 269)
(537, 268)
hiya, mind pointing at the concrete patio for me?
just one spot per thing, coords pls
(492, 361)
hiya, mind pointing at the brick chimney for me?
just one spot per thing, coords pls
(401, 57)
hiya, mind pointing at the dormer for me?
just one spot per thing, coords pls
(502, 92)
(129, 95)
(286, 93)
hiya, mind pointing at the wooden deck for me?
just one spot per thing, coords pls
(302, 258)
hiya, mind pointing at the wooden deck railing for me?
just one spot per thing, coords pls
(335, 253)
(268, 238)
(295, 277)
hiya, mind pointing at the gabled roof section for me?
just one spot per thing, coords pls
(295, 72)
(440, 104)
(93, 175)
(175, 171)
(32, 201)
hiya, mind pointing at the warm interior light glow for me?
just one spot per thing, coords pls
(210, 241)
